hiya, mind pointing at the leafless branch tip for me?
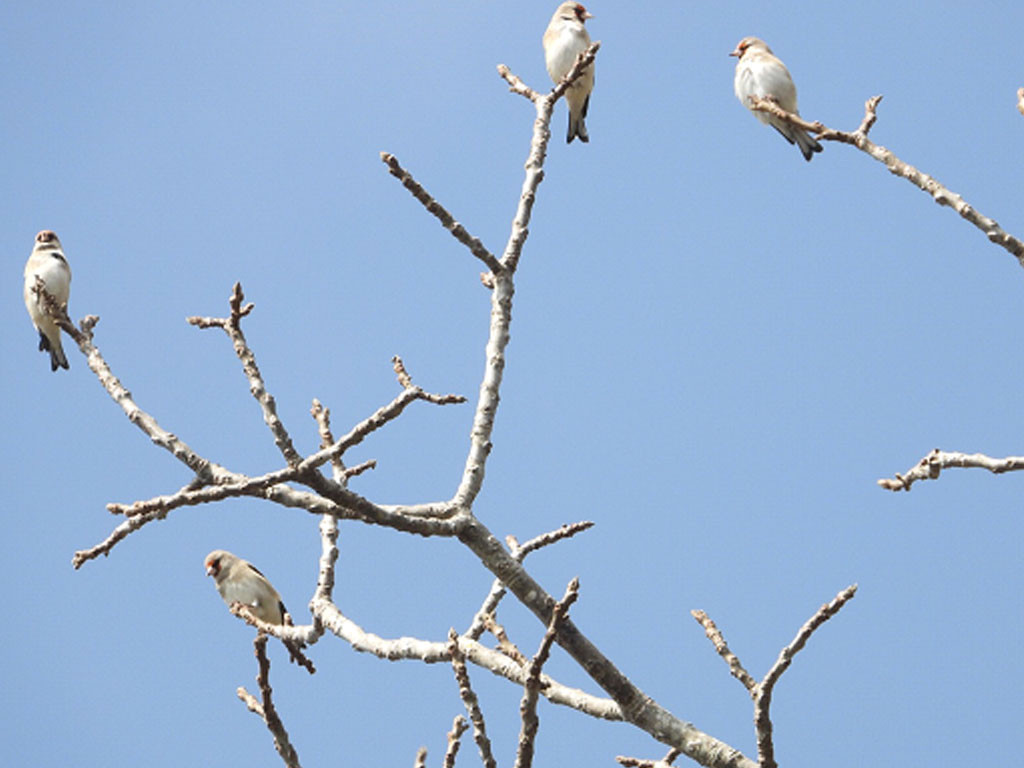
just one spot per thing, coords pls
(931, 466)
(266, 709)
(470, 701)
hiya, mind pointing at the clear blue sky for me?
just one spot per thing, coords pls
(717, 349)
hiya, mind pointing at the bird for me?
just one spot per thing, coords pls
(564, 40)
(239, 581)
(760, 73)
(47, 261)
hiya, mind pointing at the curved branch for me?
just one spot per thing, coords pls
(939, 193)
(932, 465)
(430, 652)
(503, 288)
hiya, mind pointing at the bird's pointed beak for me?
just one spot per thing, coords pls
(737, 53)
(588, 15)
(209, 569)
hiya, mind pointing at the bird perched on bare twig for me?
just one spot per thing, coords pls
(760, 73)
(239, 581)
(47, 262)
(564, 40)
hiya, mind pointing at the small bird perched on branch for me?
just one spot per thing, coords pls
(48, 263)
(564, 40)
(239, 581)
(760, 73)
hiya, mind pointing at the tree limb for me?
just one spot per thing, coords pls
(939, 193)
(932, 465)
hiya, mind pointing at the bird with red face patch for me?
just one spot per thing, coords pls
(239, 581)
(760, 73)
(565, 39)
(48, 263)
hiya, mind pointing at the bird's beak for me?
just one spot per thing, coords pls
(588, 15)
(209, 570)
(737, 53)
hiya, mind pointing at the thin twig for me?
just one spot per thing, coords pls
(459, 726)
(505, 645)
(531, 692)
(568, 530)
(266, 710)
(763, 692)
(516, 85)
(519, 552)
(932, 465)
(715, 636)
(322, 416)
(206, 471)
(435, 208)
(470, 701)
(232, 326)
(939, 193)
(293, 638)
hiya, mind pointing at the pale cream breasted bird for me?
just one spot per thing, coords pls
(566, 38)
(239, 581)
(760, 73)
(47, 262)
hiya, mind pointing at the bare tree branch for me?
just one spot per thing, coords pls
(505, 645)
(330, 498)
(497, 592)
(761, 692)
(932, 465)
(939, 193)
(459, 726)
(205, 470)
(568, 530)
(504, 288)
(322, 416)
(217, 483)
(665, 762)
(637, 707)
(715, 636)
(266, 710)
(516, 85)
(470, 701)
(232, 326)
(294, 638)
(583, 61)
(531, 692)
(413, 649)
(435, 208)
(763, 695)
